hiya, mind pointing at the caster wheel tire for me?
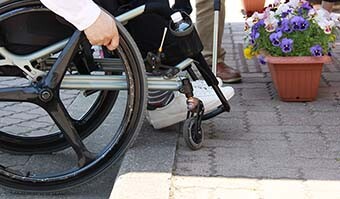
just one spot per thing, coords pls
(192, 136)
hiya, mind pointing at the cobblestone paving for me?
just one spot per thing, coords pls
(27, 119)
(265, 148)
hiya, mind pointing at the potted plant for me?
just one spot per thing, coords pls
(251, 6)
(295, 40)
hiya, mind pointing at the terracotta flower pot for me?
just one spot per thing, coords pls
(251, 6)
(297, 79)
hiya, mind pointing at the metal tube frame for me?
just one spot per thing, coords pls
(215, 42)
(217, 8)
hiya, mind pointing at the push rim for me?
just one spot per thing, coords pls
(127, 131)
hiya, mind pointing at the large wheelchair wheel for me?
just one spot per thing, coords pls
(53, 140)
(87, 131)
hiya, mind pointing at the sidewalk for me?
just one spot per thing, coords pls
(264, 148)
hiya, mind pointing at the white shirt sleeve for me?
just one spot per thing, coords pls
(80, 13)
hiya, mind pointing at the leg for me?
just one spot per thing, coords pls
(328, 4)
(205, 22)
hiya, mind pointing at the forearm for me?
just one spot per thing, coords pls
(80, 13)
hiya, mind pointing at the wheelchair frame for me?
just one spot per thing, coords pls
(42, 93)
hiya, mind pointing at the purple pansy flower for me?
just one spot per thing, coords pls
(299, 23)
(285, 14)
(316, 50)
(254, 35)
(258, 24)
(304, 25)
(306, 5)
(275, 38)
(262, 59)
(295, 21)
(286, 45)
(285, 26)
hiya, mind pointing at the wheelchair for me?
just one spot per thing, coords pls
(105, 98)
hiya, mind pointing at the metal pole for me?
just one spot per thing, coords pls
(217, 8)
(123, 18)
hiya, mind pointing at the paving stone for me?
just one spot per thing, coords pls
(249, 85)
(256, 136)
(18, 108)
(39, 132)
(231, 125)
(189, 169)
(301, 137)
(326, 95)
(232, 114)
(325, 106)
(309, 148)
(259, 105)
(270, 148)
(5, 113)
(16, 129)
(44, 119)
(223, 154)
(331, 76)
(296, 162)
(257, 80)
(322, 174)
(334, 85)
(329, 118)
(37, 111)
(298, 119)
(8, 121)
(262, 118)
(5, 104)
(293, 107)
(334, 146)
(24, 116)
(265, 172)
(282, 129)
(8, 160)
(213, 143)
(34, 124)
(323, 84)
(331, 133)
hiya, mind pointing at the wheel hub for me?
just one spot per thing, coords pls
(45, 95)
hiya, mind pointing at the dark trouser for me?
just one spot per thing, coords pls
(147, 31)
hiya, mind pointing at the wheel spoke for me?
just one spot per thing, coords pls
(19, 94)
(65, 123)
(58, 70)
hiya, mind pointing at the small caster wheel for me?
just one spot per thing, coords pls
(193, 133)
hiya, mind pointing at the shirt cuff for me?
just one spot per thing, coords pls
(86, 16)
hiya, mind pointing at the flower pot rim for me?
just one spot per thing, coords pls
(298, 59)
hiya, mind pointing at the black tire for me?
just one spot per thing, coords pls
(126, 133)
(193, 137)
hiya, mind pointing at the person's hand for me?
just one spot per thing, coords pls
(103, 32)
